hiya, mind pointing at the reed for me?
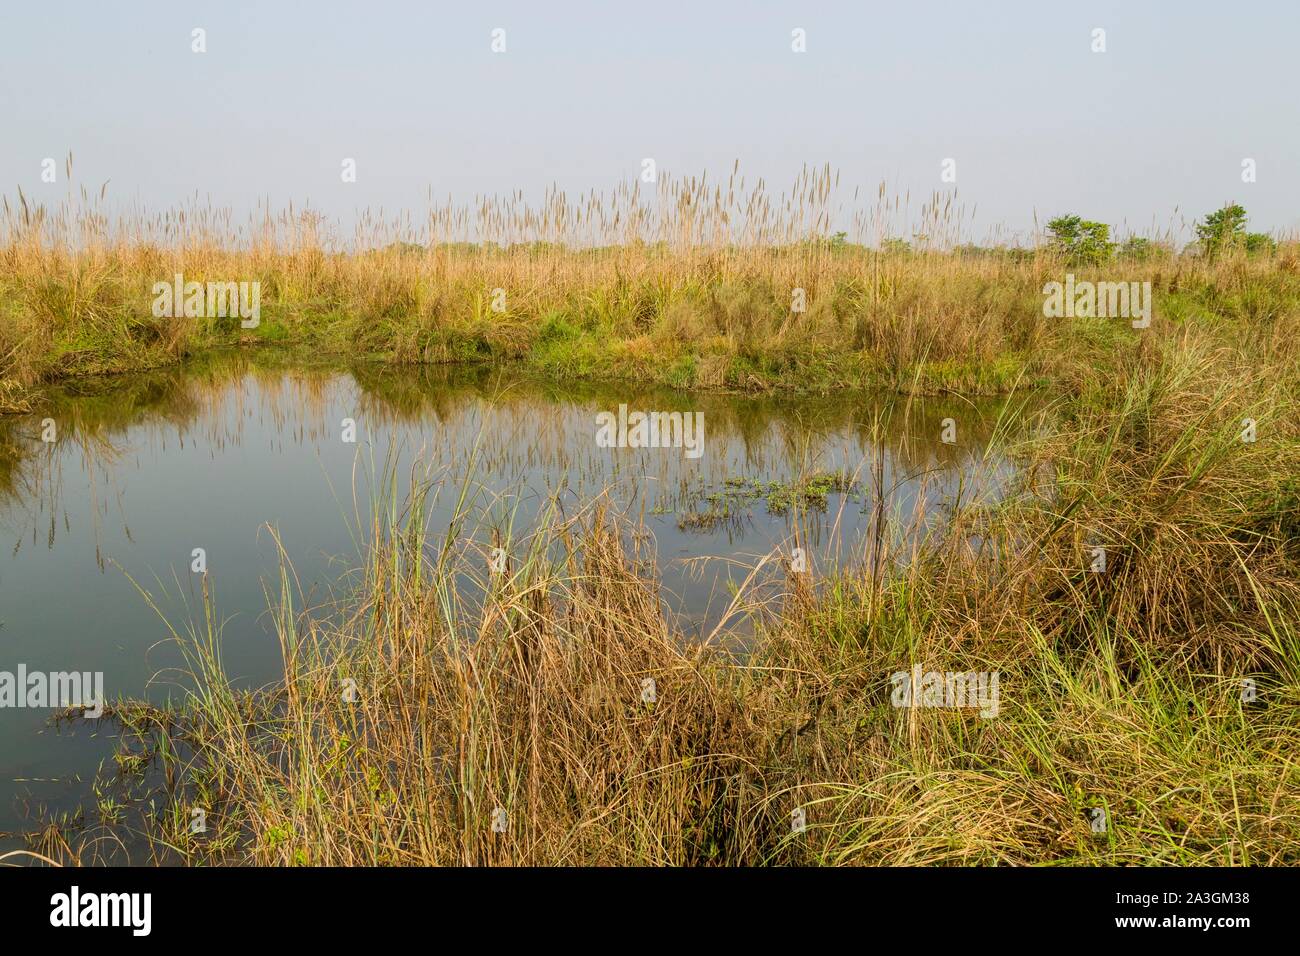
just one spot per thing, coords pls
(523, 691)
(689, 282)
(434, 693)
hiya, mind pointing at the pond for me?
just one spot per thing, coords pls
(148, 476)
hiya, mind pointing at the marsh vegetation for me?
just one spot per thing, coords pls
(426, 692)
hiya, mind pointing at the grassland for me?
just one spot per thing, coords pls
(916, 322)
(694, 287)
(1122, 691)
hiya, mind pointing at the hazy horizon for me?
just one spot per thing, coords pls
(1148, 136)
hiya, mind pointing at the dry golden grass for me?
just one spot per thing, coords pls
(1121, 691)
(688, 283)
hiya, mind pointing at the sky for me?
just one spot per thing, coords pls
(1148, 135)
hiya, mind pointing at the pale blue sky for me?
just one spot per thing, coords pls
(1011, 90)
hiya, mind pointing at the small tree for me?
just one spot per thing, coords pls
(1225, 230)
(1222, 229)
(1081, 241)
(1260, 243)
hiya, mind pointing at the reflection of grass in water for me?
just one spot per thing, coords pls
(294, 389)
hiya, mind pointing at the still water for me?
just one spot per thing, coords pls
(217, 454)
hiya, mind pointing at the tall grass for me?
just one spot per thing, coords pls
(688, 282)
(1121, 692)
(438, 693)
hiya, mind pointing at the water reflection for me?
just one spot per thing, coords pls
(145, 468)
